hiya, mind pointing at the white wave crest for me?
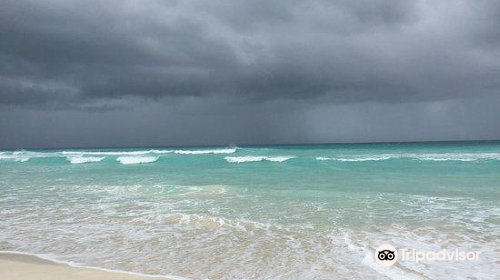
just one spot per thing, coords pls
(160, 151)
(324, 158)
(123, 153)
(201, 152)
(136, 160)
(451, 158)
(146, 152)
(364, 159)
(79, 159)
(257, 158)
(14, 157)
(422, 157)
(355, 159)
(455, 156)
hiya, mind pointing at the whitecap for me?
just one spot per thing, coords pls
(364, 159)
(324, 158)
(279, 159)
(160, 151)
(414, 156)
(153, 151)
(136, 160)
(201, 152)
(121, 153)
(257, 158)
(20, 158)
(79, 159)
(458, 156)
(355, 159)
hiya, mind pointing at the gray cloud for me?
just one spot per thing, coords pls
(278, 59)
(384, 50)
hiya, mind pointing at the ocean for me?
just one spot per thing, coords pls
(261, 212)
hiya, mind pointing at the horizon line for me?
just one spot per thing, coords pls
(252, 145)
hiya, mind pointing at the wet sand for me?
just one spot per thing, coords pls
(28, 267)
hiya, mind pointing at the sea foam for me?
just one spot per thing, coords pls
(152, 151)
(355, 159)
(201, 152)
(257, 158)
(415, 156)
(120, 153)
(136, 160)
(79, 159)
(14, 157)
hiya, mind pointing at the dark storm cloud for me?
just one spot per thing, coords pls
(73, 53)
(156, 72)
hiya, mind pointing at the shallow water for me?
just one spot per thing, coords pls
(271, 212)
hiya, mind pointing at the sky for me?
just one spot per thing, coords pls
(159, 72)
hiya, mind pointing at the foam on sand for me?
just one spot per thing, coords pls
(257, 158)
(136, 160)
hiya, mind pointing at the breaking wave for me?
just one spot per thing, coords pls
(82, 156)
(257, 158)
(353, 159)
(131, 156)
(201, 152)
(136, 160)
(153, 151)
(79, 159)
(422, 157)
(124, 153)
(14, 157)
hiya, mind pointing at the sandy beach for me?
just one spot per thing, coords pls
(27, 267)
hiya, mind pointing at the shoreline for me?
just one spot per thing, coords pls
(26, 266)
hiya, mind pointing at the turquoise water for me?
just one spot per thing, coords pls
(267, 212)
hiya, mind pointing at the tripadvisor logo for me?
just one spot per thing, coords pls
(387, 255)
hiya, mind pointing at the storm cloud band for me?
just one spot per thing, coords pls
(165, 72)
(71, 53)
